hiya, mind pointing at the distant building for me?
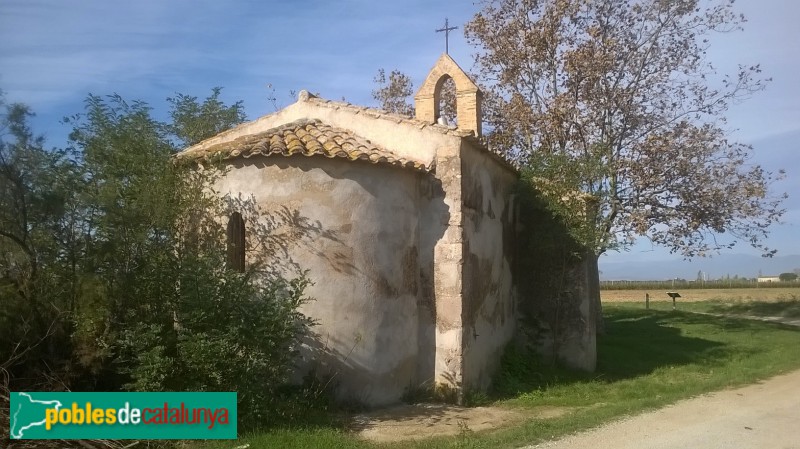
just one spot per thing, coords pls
(769, 279)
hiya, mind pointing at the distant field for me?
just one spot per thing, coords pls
(722, 294)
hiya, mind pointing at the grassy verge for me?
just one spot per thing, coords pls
(647, 359)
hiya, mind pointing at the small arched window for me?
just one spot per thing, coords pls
(236, 242)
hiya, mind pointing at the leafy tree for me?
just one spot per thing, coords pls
(193, 122)
(177, 319)
(40, 243)
(787, 277)
(113, 261)
(616, 99)
(394, 93)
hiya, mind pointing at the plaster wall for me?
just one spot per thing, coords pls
(355, 227)
(434, 221)
(489, 315)
(577, 346)
(568, 326)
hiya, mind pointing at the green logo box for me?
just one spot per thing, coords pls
(122, 416)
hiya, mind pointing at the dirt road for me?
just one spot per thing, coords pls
(760, 416)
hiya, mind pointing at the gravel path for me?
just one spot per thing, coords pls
(761, 416)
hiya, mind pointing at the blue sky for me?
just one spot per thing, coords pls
(53, 53)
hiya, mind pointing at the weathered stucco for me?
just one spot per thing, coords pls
(576, 346)
(566, 322)
(356, 229)
(489, 318)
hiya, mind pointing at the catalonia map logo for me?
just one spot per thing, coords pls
(119, 416)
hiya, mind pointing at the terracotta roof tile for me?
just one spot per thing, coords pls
(307, 138)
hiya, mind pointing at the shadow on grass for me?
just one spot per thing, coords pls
(638, 342)
(786, 309)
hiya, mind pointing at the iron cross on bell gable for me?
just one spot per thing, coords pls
(447, 29)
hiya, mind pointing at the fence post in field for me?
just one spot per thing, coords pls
(647, 301)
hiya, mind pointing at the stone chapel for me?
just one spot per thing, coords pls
(406, 227)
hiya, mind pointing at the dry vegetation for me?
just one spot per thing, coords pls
(723, 294)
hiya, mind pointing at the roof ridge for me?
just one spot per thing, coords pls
(304, 96)
(400, 118)
(307, 137)
(383, 114)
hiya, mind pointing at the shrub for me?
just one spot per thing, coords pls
(113, 264)
(240, 336)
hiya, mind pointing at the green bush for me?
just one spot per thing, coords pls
(241, 337)
(113, 264)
